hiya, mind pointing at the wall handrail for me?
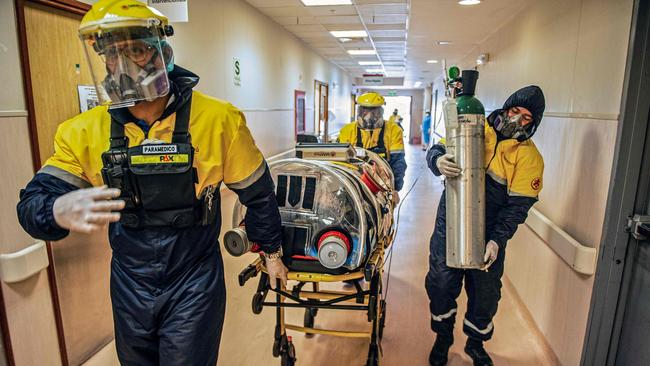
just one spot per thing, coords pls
(23, 264)
(578, 256)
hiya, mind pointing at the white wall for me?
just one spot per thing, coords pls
(273, 62)
(575, 50)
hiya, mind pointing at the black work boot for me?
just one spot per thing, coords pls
(477, 353)
(439, 351)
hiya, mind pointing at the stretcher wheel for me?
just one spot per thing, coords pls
(308, 322)
(276, 348)
(372, 308)
(288, 354)
(382, 319)
(373, 356)
(257, 306)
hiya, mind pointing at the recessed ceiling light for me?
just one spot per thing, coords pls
(369, 63)
(417, 84)
(326, 2)
(374, 70)
(443, 43)
(350, 34)
(432, 61)
(469, 2)
(361, 52)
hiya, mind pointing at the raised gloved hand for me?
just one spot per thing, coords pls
(491, 253)
(87, 210)
(276, 270)
(447, 166)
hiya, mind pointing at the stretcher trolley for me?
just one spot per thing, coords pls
(337, 219)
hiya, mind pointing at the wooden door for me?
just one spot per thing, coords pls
(57, 65)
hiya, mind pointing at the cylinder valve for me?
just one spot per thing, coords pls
(236, 242)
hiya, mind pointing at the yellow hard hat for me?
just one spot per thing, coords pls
(108, 15)
(371, 99)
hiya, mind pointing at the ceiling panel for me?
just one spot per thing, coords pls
(378, 27)
(388, 33)
(330, 51)
(304, 28)
(331, 10)
(274, 3)
(385, 19)
(344, 27)
(389, 39)
(367, 2)
(285, 11)
(383, 9)
(286, 20)
(357, 43)
(339, 19)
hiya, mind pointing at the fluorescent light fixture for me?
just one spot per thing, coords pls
(432, 61)
(374, 71)
(443, 43)
(469, 2)
(362, 52)
(417, 84)
(350, 34)
(326, 2)
(369, 63)
(483, 58)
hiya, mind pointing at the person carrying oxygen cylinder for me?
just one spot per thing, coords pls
(371, 132)
(514, 170)
(149, 162)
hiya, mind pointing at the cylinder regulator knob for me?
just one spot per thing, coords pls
(333, 249)
(236, 242)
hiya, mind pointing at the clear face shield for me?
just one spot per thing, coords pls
(370, 118)
(128, 65)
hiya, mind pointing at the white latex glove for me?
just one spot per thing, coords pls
(447, 166)
(87, 210)
(276, 270)
(491, 253)
(395, 198)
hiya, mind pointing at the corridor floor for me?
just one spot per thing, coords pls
(247, 338)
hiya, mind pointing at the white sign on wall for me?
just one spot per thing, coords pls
(236, 71)
(175, 10)
(373, 80)
(87, 97)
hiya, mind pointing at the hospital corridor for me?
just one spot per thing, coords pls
(325, 182)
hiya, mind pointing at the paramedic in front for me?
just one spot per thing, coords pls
(149, 162)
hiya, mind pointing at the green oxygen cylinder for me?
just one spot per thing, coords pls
(465, 194)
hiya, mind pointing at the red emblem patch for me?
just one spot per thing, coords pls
(536, 183)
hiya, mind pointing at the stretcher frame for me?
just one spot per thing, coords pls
(368, 298)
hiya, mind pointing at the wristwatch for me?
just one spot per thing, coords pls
(275, 255)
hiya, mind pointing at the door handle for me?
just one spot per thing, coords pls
(639, 227)
(644, 231)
